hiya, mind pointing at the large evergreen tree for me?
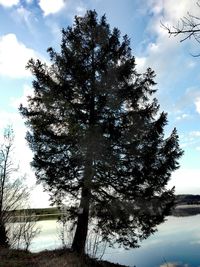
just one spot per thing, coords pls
(97, 134)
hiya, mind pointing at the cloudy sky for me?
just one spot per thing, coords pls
(29, 27)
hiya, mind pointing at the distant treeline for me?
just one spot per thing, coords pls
(187, 199)
(55, 213)
(40, 213)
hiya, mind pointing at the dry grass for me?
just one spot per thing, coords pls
(55, 258)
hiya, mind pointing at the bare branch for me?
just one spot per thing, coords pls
(13, 192)
(187, 27)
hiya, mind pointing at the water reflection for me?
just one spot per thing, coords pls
(49, 237)
(176, 244)
(174, 265)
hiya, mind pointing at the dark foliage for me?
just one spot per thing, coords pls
(97, 134)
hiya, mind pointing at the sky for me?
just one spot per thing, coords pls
(29, 27)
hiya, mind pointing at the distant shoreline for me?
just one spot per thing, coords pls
(185, 210)
(180, 210)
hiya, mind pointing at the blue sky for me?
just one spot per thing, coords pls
(29, 27)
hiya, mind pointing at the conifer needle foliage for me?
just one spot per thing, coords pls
(98, 136)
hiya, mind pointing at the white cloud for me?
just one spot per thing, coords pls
(23, 156)
(190, 140)
(183, 116)
(171, 10)
(197, 104)
(175, 10)
(27, 91)
(9, 3)
(14, 56)
(140, 64)
(24, 14)
(51, 6)
(8, 118)
(191, 98)
(16, 120)
(195, 133)
(22, 153)
(157, 57)
(186, 181)
(80, 10)
(161, 49)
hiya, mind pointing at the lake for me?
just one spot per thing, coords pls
(175, 244)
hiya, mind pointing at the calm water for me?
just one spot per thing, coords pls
(176, 244)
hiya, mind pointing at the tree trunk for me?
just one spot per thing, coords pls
(82, 224)
(3, 236)
(80, 237)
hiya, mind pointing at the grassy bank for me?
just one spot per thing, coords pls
(54, 258)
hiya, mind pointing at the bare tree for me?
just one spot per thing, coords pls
(23, 229)
(96, 245)
(29, 229)
(13, 193)
(66, 227)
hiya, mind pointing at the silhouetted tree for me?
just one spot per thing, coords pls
(13, 193)
(97, 135)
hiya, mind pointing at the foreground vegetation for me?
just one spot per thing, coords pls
(60, 257)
